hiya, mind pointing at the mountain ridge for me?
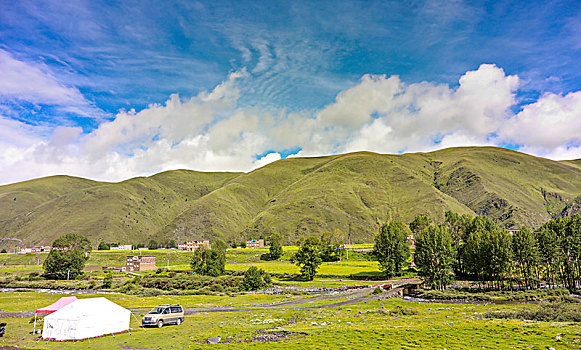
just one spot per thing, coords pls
(295, 196)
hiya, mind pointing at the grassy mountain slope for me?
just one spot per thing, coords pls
(21, 197)
(356, 192)
(511, 187)
(227, 211)
(298, 196)
(576, 162)
(127, 211)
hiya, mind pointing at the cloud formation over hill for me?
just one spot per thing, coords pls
(212, 131)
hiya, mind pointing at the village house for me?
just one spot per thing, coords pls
(191, 246)
(140, 263)
(25, 251)
(122, 247)
(35, 249)
(253, 243)
(41, 249)
(114, 268)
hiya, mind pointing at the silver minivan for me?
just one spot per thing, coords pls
(164, 314)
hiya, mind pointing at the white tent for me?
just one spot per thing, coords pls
(86, 318)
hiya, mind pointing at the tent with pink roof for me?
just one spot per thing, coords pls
(59, 304)
(62, 302)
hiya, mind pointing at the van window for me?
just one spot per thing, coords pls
(166, 311)
(175, 309)
(156, 310)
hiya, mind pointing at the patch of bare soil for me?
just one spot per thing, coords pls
(8, 314)
(275, 336)
(129, 347)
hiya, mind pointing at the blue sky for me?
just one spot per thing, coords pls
(145, 86)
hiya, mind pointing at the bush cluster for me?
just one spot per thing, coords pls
(482, 294)
(547, 312)
(256, 278)
(193, 282)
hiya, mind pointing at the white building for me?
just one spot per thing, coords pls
(122, 247)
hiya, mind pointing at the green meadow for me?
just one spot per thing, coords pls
(238, 259)
(369, 324)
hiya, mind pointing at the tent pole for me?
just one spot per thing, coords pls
(138, 321)
(34, 329)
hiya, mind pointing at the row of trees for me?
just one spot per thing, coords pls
(475, 247)
(152, 245)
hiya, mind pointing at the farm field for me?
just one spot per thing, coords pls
(368, 323)
(238, 259)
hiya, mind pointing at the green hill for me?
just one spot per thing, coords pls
(298, 196)
(129, 211)
(576, 162)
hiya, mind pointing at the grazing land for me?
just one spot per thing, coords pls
(362, 323)
(317, 314)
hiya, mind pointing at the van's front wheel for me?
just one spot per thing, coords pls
(159, 324)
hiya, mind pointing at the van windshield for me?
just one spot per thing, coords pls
(156, 310)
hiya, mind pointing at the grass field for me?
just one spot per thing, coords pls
(391, 324)
(343, 268)
(15, 269)
(239, 259)
(369, 324)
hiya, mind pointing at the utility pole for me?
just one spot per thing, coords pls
(348, 240)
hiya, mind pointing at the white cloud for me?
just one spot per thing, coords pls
(211, 132)
(267, 159)
(34, 83)
(394, 117)
(558, 153)
(355, 106)
(547, 124)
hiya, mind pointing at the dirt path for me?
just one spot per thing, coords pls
(355, 296)
(8, 314)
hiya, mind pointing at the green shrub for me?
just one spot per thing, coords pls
(255, 279)
(191, 283)
(402, 311)
(487, 294)
(108, 281)
(547, 312)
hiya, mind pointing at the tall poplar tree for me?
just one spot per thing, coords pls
(392, 248)
(434, 256)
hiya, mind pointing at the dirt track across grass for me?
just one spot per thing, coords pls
(356, 296)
